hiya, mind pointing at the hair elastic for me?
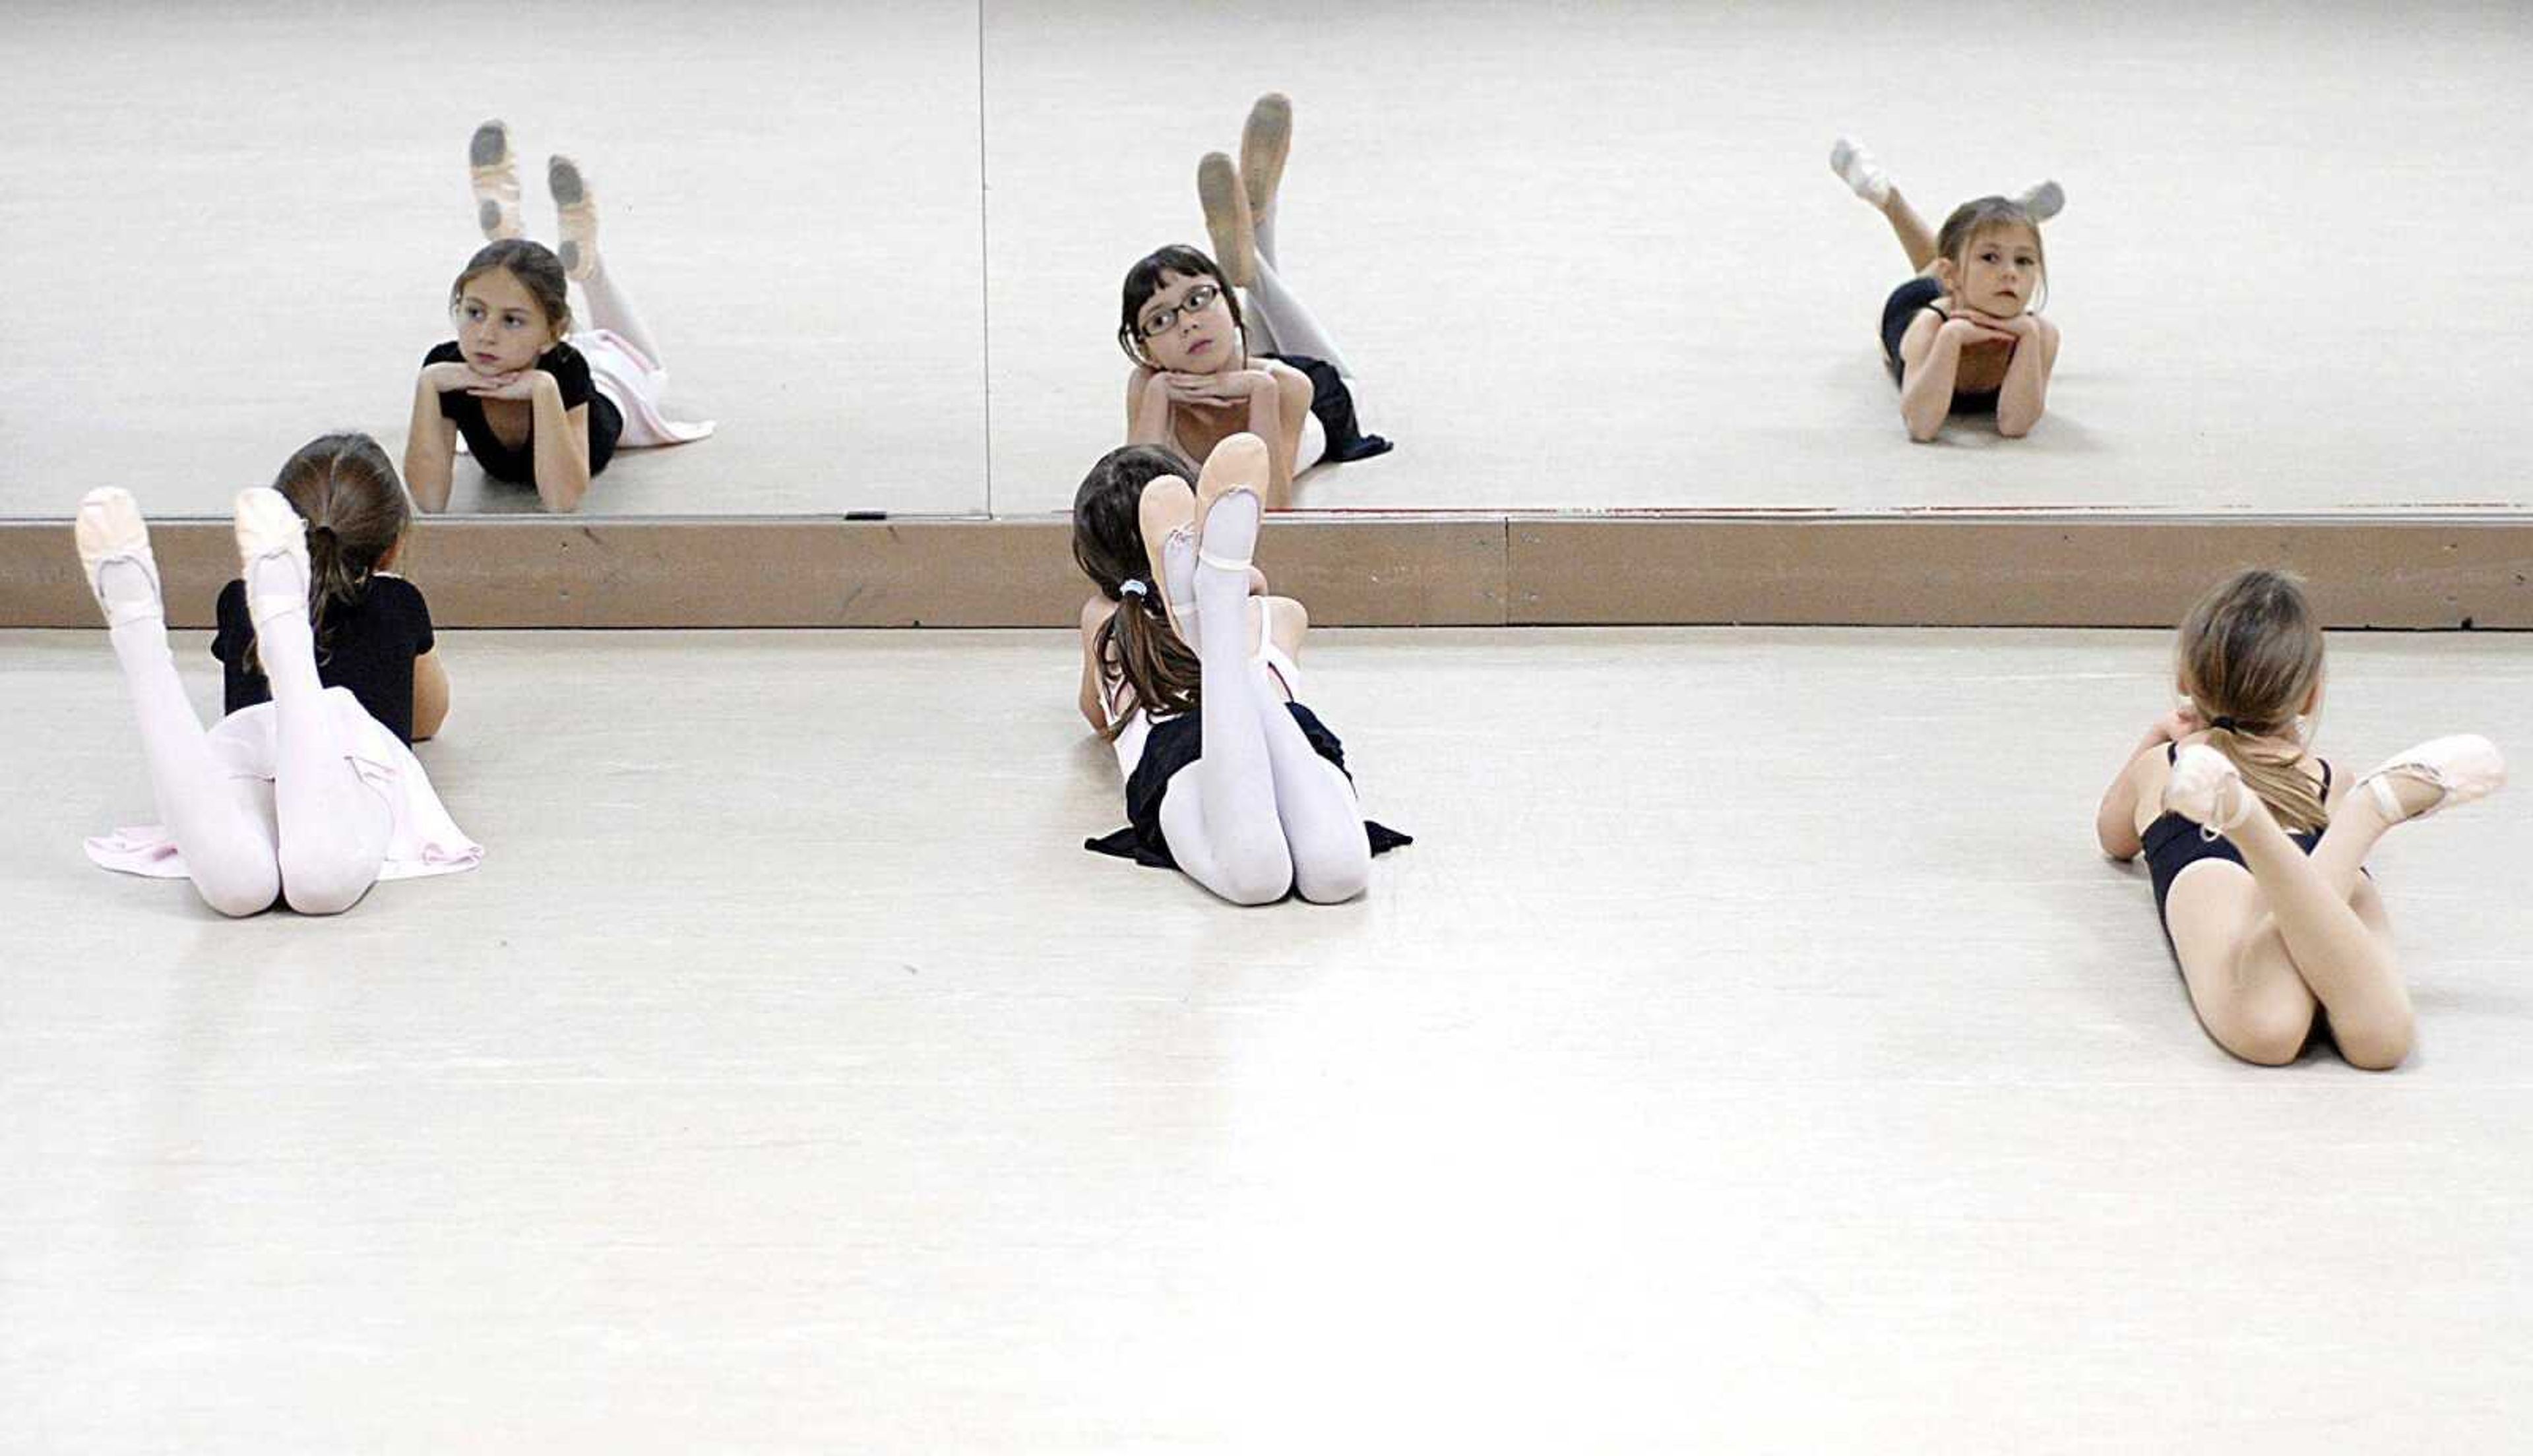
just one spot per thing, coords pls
(1132, 587)
(2225, 721)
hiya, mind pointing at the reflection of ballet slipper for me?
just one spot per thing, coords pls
(495, 176)
(110, 532)
(578, 212)
(1227, 220)
(1264, 144)
(1863, 175)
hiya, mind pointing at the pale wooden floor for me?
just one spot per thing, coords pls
(1583, 259)
(1753, 1054)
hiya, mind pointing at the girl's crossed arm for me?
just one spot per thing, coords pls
(2024, 394)
(2115, 822)
(429, 442)
(563, 442)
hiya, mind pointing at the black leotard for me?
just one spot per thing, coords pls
(2174, 843)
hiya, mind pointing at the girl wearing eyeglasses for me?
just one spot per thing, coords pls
(1207, 368)
(538, 403)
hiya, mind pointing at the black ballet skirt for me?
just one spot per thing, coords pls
(1176, 743)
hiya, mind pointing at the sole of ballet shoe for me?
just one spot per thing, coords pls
(109, 528)
(575, 213)
(494, 178)
(1265, 139)
(1227, 222)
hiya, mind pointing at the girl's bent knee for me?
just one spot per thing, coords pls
(330, 893)
(2378, 1044)
(239, 896)
(1323, 882)
(2270, 1038)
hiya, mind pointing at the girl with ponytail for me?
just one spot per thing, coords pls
(2256, 853)
(306, 792)
(1190, 670)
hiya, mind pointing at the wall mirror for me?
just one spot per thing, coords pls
(1584, 262)
(232, 227)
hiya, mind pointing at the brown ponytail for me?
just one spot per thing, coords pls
(1136, 646)
(2251, 659)
(355, 507)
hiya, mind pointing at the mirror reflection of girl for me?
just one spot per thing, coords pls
(1962, 336)
(537, 402)
(1228, 777)
(2256, 849)
(1208, 366)
(306, 792)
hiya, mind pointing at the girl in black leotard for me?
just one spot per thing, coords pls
(538, 402)
(2256, 860)
(1963, 335)
(1190, 672)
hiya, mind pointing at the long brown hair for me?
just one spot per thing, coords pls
(346, 491)
(1979, 217)
(2250, 657)
(1137, 645)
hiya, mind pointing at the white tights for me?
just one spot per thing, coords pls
(1277, 321)
(1260, 812)
(316, 835)
(610, 309)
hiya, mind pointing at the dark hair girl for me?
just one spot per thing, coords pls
(1206, 367)
(1228, 777)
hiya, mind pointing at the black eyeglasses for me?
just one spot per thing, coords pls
(1198, 300)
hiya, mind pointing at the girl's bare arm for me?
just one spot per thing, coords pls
(562, 445)
(1930, 359)
(1094, 612)
(429, 447)
(430, 695)
(2115, 822)
(2025, 394)
(1266, 421)
(1147, 409)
